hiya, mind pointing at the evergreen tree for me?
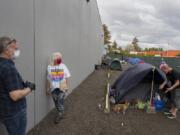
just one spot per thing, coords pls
(135, 44)
(120, 48)
(115, 45)
(107, 35)
(146, 49)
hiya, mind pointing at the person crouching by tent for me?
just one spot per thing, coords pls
(174, 77)
(57, 84)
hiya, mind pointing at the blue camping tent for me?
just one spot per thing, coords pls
(135, 82)
(134, 61)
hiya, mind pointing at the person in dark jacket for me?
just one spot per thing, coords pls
(13, 89)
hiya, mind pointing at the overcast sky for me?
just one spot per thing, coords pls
(156, 23)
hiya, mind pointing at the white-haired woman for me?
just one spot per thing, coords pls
(57, 76)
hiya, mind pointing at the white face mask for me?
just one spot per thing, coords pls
(16, 54)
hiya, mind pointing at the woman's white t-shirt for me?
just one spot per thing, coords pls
(56, 74)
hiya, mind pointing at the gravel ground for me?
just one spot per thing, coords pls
(84, 117)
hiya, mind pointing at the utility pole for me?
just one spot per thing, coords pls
(168, 49)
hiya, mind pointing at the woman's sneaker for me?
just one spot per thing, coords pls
(58, 118)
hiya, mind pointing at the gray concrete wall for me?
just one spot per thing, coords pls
(17, 21)
(72, 27)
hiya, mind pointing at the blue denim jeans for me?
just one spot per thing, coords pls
(58, 97)
(16, 125)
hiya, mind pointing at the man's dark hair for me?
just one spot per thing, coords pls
(4, 42)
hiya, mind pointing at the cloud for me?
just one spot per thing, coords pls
(153, 22)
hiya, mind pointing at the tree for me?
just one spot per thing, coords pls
(153, 49)
(130, 47)
(115, 45)
(120, 48)
(135, 44)
(160, 49)
(107, 35)
(146, 49)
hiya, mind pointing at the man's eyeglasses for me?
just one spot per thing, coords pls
(12, 41)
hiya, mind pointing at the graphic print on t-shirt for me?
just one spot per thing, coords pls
(56, 75)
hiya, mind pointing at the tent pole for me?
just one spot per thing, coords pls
(150, 107)
(152, 88)
(107, 103)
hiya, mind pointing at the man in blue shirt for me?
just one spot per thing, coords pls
(12, 89)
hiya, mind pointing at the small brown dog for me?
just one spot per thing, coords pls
(121, 107)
